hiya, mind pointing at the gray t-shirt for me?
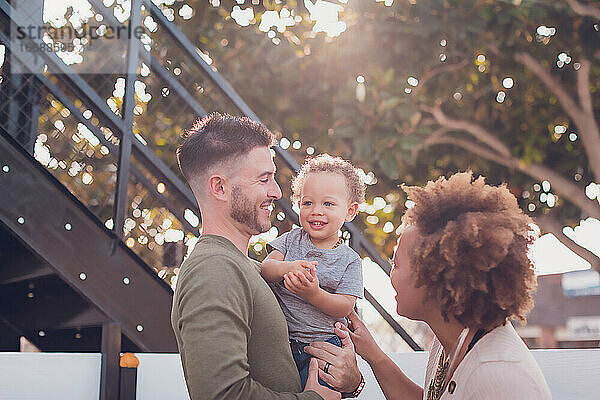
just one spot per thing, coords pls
(339, 271)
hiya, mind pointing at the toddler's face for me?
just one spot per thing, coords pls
(324, 206)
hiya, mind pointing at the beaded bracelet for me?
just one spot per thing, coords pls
(357, 391)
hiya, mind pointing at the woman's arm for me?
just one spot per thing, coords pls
(393, 382)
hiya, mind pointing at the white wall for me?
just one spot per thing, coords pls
(571, 375)
(49, 376)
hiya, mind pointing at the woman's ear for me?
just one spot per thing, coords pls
(352, 211)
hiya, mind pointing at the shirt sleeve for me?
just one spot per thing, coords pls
(280, 244)
(352, 280)
(215, 310)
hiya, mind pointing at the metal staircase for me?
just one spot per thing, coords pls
(94, 216)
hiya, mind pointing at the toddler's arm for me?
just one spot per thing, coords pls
(333, 304)
(274, 267)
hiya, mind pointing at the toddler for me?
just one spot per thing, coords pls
(314, 275)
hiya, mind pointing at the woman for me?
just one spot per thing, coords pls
(461, 266)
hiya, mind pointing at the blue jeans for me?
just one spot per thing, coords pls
(302, 359)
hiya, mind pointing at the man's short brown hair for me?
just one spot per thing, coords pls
(355, 187)
(219, 138)
(471, 253)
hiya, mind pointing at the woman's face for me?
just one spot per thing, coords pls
(409, 299)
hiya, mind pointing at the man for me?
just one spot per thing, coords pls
(231, 333)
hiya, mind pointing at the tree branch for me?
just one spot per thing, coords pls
(588, 127)
(550, 225)
(477, 131)
(569, 104)
(540, 172)
(584, 10)
(475, 149)
(583, 86)
(581, 113)
(429, 74)
(430, 139)
(564, 186)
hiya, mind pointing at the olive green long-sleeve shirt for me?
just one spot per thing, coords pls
(231, 333)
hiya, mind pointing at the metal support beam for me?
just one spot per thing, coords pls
(87, 93)
(12, 116)
(120, 206)
(356, 242)
(10, 340)
(392, 322)
(111, 349)
(46, 303)
(128, 383)
(33, 97)
(154, 164)
(17, 264)
(64, 99)
(187, 46)
(141, 303)
(129, 364)
(154, 64)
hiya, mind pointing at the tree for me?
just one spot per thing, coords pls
(409, 91)
(420, 89)
(466, 97)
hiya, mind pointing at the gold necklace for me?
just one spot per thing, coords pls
(434, 392)
(338, 243)
(437, 385)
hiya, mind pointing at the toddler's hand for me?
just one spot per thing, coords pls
(300, 285)
(306, 268)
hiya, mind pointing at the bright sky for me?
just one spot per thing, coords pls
(552, 257)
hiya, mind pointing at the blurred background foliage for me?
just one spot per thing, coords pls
(412, 90)
(408, 90)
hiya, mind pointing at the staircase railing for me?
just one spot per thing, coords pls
(93, 135)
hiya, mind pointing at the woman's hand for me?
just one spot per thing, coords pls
(362, 339)
(393, 382)
(343, 373)
(312, 383)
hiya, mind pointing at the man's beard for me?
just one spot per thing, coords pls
(245, 212)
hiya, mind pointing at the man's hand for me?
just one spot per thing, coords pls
(312, 383)
(304, 284)
(343, 373)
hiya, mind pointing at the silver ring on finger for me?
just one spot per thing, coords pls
(326, 369)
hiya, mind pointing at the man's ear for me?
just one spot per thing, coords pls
(217, 187)
(352, 211)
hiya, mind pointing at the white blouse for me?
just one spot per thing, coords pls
(499, 366)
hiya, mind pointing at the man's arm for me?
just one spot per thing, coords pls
(215, 309)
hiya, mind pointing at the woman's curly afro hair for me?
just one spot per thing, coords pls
(471, 253)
